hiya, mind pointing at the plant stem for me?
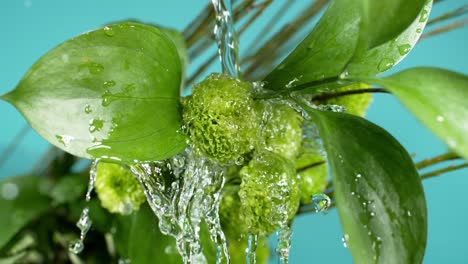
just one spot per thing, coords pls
(14, 143)
(328, 96)
(453, 14)
(444, 170)
(441, 158)
(446, 28)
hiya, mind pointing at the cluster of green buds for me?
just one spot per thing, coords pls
(118, 190)
(261, 143)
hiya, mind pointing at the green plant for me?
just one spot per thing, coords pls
(113, 94)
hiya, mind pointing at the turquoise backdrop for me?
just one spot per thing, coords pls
(29, 28)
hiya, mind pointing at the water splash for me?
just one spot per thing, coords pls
(226, 37)
(283, 245)
(250, 251)
(184, 192)
(84, 223)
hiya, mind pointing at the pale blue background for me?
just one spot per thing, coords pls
(30, 28)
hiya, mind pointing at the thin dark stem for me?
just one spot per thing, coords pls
(444, 29)
(328, 96)
(14, 143)
(315, 164)
(441, 158)
(452, 14)
(444, 170)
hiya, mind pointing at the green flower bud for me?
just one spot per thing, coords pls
(269, 192)
(234, 226)
(119, 191)
(280, 128)
(355, 104)
(313, 173)
(220, 118)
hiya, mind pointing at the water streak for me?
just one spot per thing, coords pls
(284, 244)
(226, 37)
(84, 223)
(250, 251)
(184, 192)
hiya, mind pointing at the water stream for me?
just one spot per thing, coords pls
(226, 37)
(184, 192)
(84, 223)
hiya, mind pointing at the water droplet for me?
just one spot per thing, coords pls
(109, 31)
(419, 30)
(345, 240)
(76, 246)
(452, 143)
(92, 178)
(106, 98)
(424, 15)
(408, 213)
(64, 139)
(65, 58)
(332, 108)
(404, 49)
(88, 109)
(385, 64)
(344, 75)
(108, 84)
(320, 202)
(440, 119)
(9, 191)
(95, 125)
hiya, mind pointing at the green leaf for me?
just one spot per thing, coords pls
(335, 48)
(112, 93)
(179, 42)
(139, 239)
(20, 203)
(438, 98)
(324, 53)
(69, 188)
(390, 53)
(384, 20)
(377, 189)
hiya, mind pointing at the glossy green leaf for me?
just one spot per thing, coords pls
(324, 53)
(20, 202)
(179, 42)
(138, 238)
(377, 189)
(390, 53)
(112, 93)
(438, 98)
(384, 20)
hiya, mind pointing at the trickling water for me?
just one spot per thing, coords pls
(250, 251)
(226, 37)
(284, 244)
(320, 203)
(184, 192)
(84, 223)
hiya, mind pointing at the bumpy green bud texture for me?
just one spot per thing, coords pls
(313, 173)
(233, 224)
(280, 128)
(355, 104)
(269, 192)
(220, 119)
(118, 190)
